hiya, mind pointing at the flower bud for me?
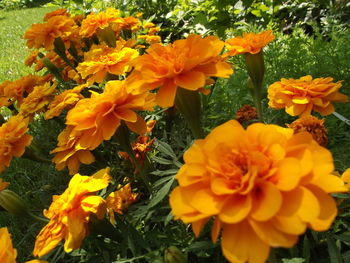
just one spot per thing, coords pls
(12, 203)
(173, 255)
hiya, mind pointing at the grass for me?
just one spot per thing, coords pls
(13, 51)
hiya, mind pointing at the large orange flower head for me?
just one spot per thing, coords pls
(248, 43)
(102, 59)
(44, 35)
(11, 91)
(187, 63)
(264, 186)
(95, 22)
(301, 96)
(7, 253)
(13, 139)
(70, 212)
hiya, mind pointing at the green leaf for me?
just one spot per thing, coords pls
(293, 260)
(334, 251)
(247, 3)
(161, 160)
(345, 237)
(165, 148)
(160, 195)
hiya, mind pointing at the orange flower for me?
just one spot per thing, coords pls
(7, 253)
(43, 35)
(3, 185)
(346, 178)
(11, 91)
(312, 125)
(37, 99)
(264, 186)
(102, 59)
(95, 22)
(58, 12)
(246, 113)
(32, 58)
(70, 212)
(95, 119)
(66, 99)
(120, 200)
(99, 117)
(248, 43)
(301, 96)
(69, 152)
(13, 139)
(186, 63)
(151, 39)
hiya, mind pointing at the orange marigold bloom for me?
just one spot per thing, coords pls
(66, 99)
(32, 58)
(94, 22)
(69, 213)
(264, 186)
(246, 113)
(301, 96)
(312, 125)
(58, 12)
(43, 35)
(151, 39)
(346, 178)
(8, 254)
(13, 139)
(248, 43)
(11, 91)
(99, 117)
(69, 152)
(37, 99)
(120, 200)
(101, 59)
(186, 63)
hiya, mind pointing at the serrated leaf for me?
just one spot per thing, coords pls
(345, 237)
(161, 193)
(200, 245)
(165, 148)
(161, 160)
(333, 251)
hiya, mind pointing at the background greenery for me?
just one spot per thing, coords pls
(312, 37)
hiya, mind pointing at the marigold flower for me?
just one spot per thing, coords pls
(32, 58)
(69, 152)
(66, 99)
(11, 91)
(37, 261)
(246, 113)
(346, 178)
(120, 200)
(248, 43)
(102, 59)
(99, 117)
(44, 35)
(13, 139)
(151, 39)
(301, 96)
(57, 12)
(312, 125)
(37, 99)
(148, 25)
(264, 186)
(186, 63)
(94, 22)
(70, 212)
(8, 254)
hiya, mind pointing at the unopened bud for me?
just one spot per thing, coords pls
(12, 203)
(173, 255)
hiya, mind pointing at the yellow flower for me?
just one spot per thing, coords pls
(7, 253)
(37, 261)
(11, 91)
(148, 25)
(13, 139)
(43, 35)
(95, 22)
(69, 152)
(186, 63)
(102, 59)
(346, 178)
(301, 96)
(66, 99)
(120, 200)
(151, 39)
(312, 125)
(248, 43)
(69, 213)
(37, 99)
(264, 186)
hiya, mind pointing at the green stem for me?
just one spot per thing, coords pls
(39, 218)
